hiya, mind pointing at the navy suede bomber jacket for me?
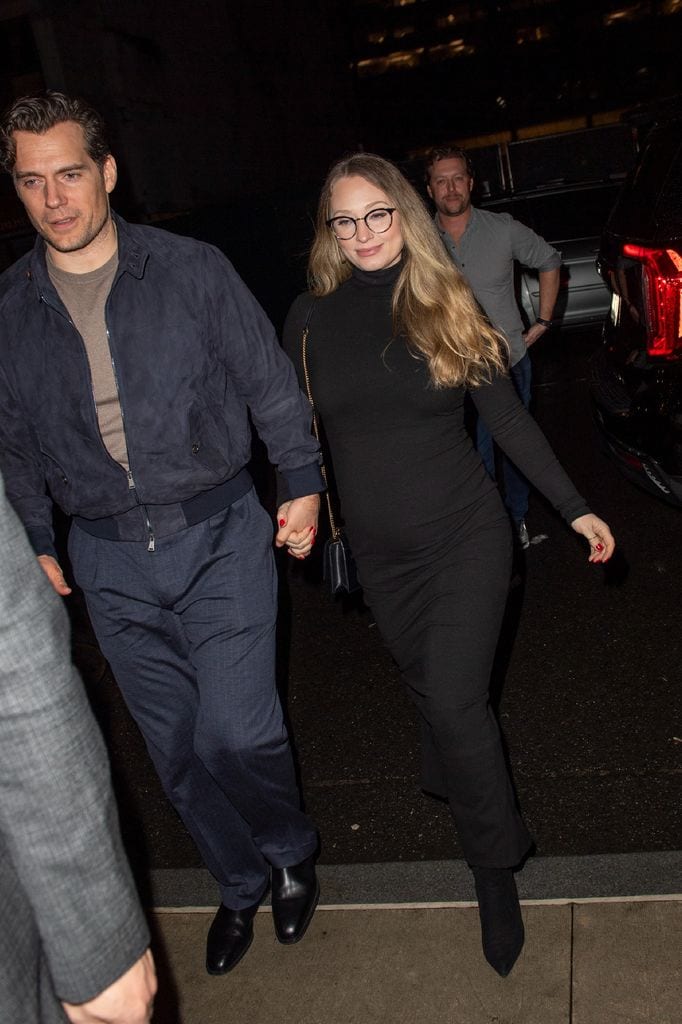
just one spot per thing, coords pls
(193, 355)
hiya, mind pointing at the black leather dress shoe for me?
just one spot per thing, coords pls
(229, 937)
(295, 892)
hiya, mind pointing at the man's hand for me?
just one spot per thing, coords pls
(533, 334)
(129, 1000)
(297, 521)
(549, 281)
(52, 570)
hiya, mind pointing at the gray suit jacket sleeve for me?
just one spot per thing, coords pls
(58, 819)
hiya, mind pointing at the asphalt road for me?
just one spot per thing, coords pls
(587, 684)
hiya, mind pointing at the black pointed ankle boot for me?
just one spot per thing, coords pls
(502, 931)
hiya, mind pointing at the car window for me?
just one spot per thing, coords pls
(669, 210)
(580, 213)
(652, 196)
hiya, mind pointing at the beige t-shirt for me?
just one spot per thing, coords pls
(84, 296)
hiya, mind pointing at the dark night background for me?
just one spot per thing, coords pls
(229, 113)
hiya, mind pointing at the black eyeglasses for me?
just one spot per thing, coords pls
(377, 221)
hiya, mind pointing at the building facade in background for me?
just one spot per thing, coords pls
(226, 114)
(207, 100)
(429, 71)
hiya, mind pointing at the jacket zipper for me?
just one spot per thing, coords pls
(151, 540)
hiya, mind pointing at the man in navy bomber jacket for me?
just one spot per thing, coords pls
(129, 361)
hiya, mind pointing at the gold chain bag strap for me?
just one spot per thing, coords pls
(338, 566)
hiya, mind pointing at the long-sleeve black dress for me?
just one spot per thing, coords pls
(429, 533)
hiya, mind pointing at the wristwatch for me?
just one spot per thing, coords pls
(544, 323)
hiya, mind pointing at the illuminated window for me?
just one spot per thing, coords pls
(532, 34)
(400, 60)
(630, 13)
(462, 14)
(455, 48)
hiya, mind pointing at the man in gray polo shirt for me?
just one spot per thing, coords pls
(484, 246)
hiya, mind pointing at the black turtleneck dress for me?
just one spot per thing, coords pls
(429, 533)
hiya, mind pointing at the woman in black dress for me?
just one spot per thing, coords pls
(395, 340)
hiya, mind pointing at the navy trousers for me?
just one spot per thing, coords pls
(516, 487)
(189, 632)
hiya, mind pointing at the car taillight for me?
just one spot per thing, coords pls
(663, 277)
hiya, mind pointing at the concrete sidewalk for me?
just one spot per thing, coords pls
(583, 963)
(608, 960)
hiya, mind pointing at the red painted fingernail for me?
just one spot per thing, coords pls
(282, 522)
(598, 547)
(313, 529)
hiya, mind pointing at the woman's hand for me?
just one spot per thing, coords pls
(297, 521)
(602, 544)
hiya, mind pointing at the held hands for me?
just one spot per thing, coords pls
(297, 521)
(52, 570)
(129, 1000)
(602, 544)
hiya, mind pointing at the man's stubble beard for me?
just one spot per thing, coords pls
(82, 242)
(463, 206)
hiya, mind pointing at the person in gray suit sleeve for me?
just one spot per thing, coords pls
(73, 938)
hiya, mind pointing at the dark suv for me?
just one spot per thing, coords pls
(637, 374)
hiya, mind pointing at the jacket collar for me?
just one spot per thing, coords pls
(133, 254)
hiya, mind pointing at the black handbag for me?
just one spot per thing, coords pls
(338, 565)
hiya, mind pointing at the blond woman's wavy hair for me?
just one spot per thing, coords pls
(433, 306)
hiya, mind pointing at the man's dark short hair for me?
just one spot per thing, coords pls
(446, 153)
(43, 111)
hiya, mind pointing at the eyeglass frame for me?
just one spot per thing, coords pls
(390, 210)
